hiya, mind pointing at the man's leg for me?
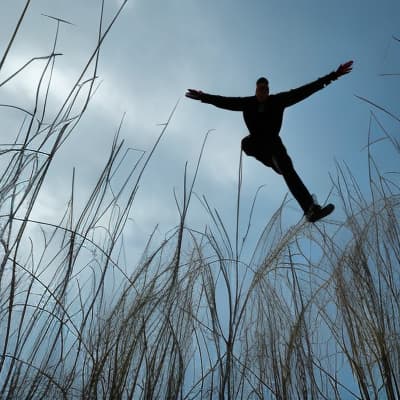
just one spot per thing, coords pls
(312, 210)
(296, 186)
(259, 150)
(275, 156)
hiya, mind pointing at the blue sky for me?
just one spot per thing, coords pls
(158, 49)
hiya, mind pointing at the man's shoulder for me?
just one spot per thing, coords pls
(276, 98)
(250, 99)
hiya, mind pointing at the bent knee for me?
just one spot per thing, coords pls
(248, 146)
(275, 165)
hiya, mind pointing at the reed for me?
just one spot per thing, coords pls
(312, 313)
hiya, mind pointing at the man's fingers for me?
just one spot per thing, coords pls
(348, 65)
(345, 68)
(193, 94)
(189, 93)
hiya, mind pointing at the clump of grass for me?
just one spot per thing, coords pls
(312, 313)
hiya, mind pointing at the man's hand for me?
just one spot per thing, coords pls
(344, 69)
(194, 94)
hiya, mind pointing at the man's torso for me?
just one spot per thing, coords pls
(264, 119)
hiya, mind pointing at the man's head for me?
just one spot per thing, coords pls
(262, 89)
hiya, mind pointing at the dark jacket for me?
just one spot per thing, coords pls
(266, 118)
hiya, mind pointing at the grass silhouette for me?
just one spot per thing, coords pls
(194, 318)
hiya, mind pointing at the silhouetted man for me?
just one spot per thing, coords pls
(263, 114)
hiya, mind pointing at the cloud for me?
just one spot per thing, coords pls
(23, 87)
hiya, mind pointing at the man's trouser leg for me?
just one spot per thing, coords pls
(276, 157)
(293, 181)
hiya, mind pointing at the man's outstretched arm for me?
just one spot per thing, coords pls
(294, 96)
(227, 103)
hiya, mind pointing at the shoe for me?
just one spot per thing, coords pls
(316, 212)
